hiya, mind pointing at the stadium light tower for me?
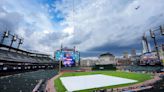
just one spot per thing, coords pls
(152, 34)
(14, 38)
(145, 43)
(20, 42)
(162, 30)
(5, 35)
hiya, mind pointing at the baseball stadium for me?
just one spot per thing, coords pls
(81, 45)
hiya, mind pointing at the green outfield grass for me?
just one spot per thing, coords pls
(135, 76)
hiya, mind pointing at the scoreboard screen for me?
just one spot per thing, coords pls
(68, 58)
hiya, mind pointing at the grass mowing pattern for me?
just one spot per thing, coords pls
(135, 76)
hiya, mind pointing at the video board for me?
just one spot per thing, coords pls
(68, 58)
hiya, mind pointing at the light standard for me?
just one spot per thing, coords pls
(20, 42)
(152, 34)
(14, 38)
(5, 35)
(144, 38)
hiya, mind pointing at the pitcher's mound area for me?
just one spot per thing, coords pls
(76, 83)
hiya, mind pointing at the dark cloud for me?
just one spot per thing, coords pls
(89, 54)
(117, 50)
(9, 21)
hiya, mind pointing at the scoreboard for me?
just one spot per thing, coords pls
(68, 58)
